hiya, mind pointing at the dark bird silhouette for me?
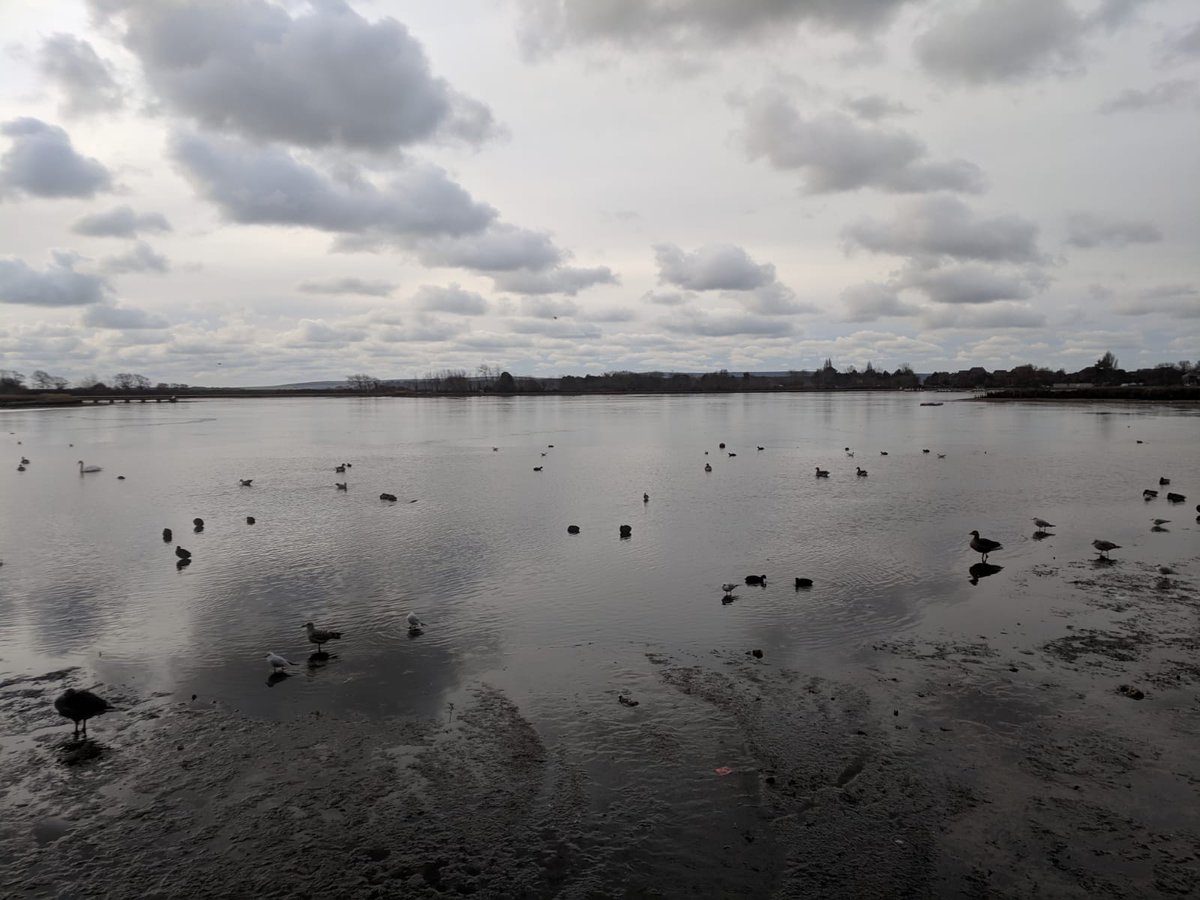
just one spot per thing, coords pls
(733, 454)
(645, 498)
(572, 529)
(341, 485)
(760, 448)
(1162, 481)
(1104, 547)
(321, 636)
(707, 467)
(983, 546)
(537, 468)
(391, 498)
(1175, 498)
(822, 473)
(860, 472)
(245, 482)
(804, 583)
(339, 468)
(626, 530)
(250, 520)
(883, 453)
(1148, 494)
(79, 706)
(167, 535)
(181, 553)
(756, 579)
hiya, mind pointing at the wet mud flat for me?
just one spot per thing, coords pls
(982, 765)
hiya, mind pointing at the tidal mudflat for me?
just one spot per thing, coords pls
(911, 726)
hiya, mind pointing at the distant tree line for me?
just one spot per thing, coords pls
(1104, 372)
(13, 382)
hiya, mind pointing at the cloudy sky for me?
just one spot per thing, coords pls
(266, 191)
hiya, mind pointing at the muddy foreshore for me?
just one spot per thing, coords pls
(965, 766)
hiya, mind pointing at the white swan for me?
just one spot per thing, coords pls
(83, 468)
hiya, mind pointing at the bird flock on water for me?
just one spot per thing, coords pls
(81, 705)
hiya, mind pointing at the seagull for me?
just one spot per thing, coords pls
(83, 468)
(822, 473)
(415, 625)
(245, 482)
(860, 472)
(728, 587)
(320, 636)
(79, 706)
(277, 662)
(941, 456)
(1042, 524)
(983, 545)
(1104, 547)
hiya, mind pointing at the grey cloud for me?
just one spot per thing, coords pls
(970, 284)
(140, 258)
(774, 299)
(327, 78)
(85, 79)
(318, 331)
(56, 285)
(874, 107)
(121, 317)
(548, 307)
(610, 315)
(501, 248)
(1165, 94)
(1002, 40)
(348, 285)
(716, 267)
(561, 280)
(1086, 230)
(941, 226)
(425, 330)
(1011, 315)
(450, 299)
(120, 222)
(834, 152)
(557, 328)
(1185, 46)
(549, 25)
(667, 298)
(268, 186)
(696, 322)
(42, 162)
(1181, 301)
(869, 302)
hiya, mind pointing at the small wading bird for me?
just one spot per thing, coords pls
(79, 706)
(83, 468)
(321, 636)
(1104, 547)
(277, 662)
(1042, 524)
(983, 546)
(415, 625)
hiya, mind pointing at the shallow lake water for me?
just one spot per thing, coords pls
(477, 545)
(483, 554)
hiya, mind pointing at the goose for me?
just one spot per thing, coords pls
(1104, 547)
(733, 454)
(822, 473)
(83, 468)
(925, 451)
(181, 553)
(572, 529)
(883, 453)
(983, 546)
(1148, 494)
(245, 482)
(20, 468)
(341, 485)
(626, 530)
(756, 579)
(760, 448)
(721, 446)
(24, 460)
(537, 468)
(79, 706)
(1042, 524)
(320, 636)
(860, 471)
(339, 468)
(804, 583)
(1175, 498)
(390, 498)
(415, 625)
(1163, 480)
(277, 662)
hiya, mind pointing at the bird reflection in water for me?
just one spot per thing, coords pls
(275, 677)
(982, 570)
(1040, 535)
(319, 658)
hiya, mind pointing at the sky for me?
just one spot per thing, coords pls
(248, 192)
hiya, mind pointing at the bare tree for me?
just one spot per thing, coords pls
(363, 383)
(11, 380)
(130, 381)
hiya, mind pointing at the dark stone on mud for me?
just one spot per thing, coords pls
(756, 653)
(1132, 692)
